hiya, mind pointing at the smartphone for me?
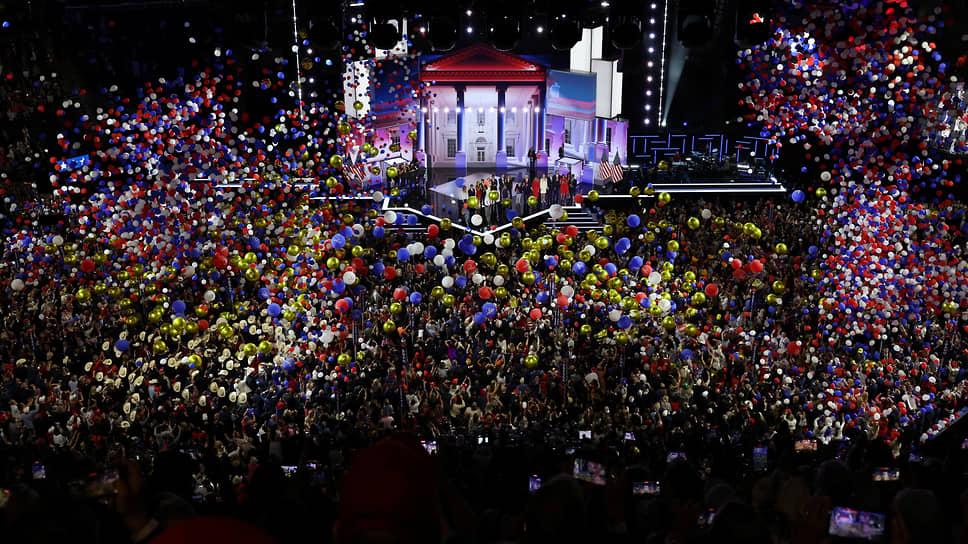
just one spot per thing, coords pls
(964, 444)
(584, 435)
(589, 471)
(534, 483)
(805, 445)
(705, 520)
(569, 451)
(645, 488)
(630, 436)
(289, 470)
(759, 459)
(848, 523)
(38, 471)
(673, 455)
(430, 446)
(482, 440)
(4, 498)
(885, 474)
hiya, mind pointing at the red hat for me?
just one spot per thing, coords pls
(391, 488)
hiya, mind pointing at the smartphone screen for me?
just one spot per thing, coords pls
(589, 471)
(645, 488)
(38, 471)
(673, 455)
(806, 445)
(534, 483)
(706, 518)
(584, 435)
(289, 470)
(848, 523)
(885, 474)
(629, 436)
(759, 459)
(430, 446)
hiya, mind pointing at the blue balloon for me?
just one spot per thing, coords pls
(288, 365)
(339, 286)
(264, 294)
(338, 241)
(274, 309)
(403, 254)
(633, 221)
(578, 267)
(426, 209)
(411, 219)
(489, 309)
(122, 345)
(798, 196)
(636, 262)
(415, 298)
(378, 232)
(430, 252)
(611, 268)
(479, 318)
(542, 297)
(178, 307)
(461, 281)
(624, 322)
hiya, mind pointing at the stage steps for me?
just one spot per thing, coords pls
(578, 216)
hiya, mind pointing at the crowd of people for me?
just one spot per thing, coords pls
(178, 353)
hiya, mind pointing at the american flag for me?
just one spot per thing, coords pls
(605, 168)
(617, 174)
(354, 171)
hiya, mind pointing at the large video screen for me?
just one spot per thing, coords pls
(571, 94)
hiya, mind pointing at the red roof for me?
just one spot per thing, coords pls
(482, 62)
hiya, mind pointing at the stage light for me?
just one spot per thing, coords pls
(457, 109)
(443, 33)
(469, 13)
(505, 32)
(447, 110)
(383, 35)
(423, 29)
(540, 29)
(564, 34)
(470, 29)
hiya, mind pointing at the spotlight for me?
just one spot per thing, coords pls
(443, 33)
(383, 35)
(564, 33)
(695, 27)
(626, 33)
(505, 32)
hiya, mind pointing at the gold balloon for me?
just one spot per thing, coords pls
(781, 248)
(472, 202)
(501, 292)
(692, 330)
(635, 191)
(265, 347)
(821, 192)
(159, 346)
(445, 223)
(396, 308)
(82, 295)
(621, 337)
(778, 287)
(528, 278)
(226, 332)
(343, 127)
(531, 361)
(336, 161)
(664, 197)
(357, 105)
(392, 172)
(693, 223)
(412, 135)
(698, 299)
(448, 300)
(253, 274)
(389, 326)
(593, 195)
(673, 246)
(344, 359)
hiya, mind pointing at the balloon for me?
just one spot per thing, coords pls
(756, 266)
(712, 290)
(654, 278)
(17, 284)
(484, 292)
(403, 254)
(479, 318)
(399, 294)
(178, 307)
(87, 265)
(798, 196)
(633, 221)
(693, 222)
(122, 345)
(274, 309)
(664, 197)
(415, 298)
(447, 282)
(535, 313)
(556, 211)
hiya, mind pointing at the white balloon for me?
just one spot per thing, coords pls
(665, 304)
(349, 277)
(489, 239)
(449, 243)
(706, 214)
(590, 249)
(477, 279)
(390, 217)
(418, 247)
(568, 291)
(614, 315)
(498, 280)
(439, 260)
(209, 296)
(327, 336)
(377, 196)
(556, 211)
(476, 220)
(58, 240)
(447, 282)
(654, 278)
(17, 284)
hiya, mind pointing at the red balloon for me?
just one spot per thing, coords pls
(470, 266)
(736, 264)
(87, 265)
(562, 300)
(484, 292)
(342, 305)
(419, 268)
(793, 348)
(522, 265)
(756, 266)
(712, 290)
(399, 293)
(572, 230)
(579, 198)
(220, 261)
(389, 272)
(202, 324)
(432, 230)
(535, 313)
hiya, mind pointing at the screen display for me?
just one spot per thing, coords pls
(430, 446)
(584, 435)
(589, 471)
(885, 474)
(534, 484)
(806, 445)
(848, 523)
(645, 488)
(759, 459)
(571, 94)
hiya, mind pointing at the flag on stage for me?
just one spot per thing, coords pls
(617, 174)
(354, 171)
(604, 167)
